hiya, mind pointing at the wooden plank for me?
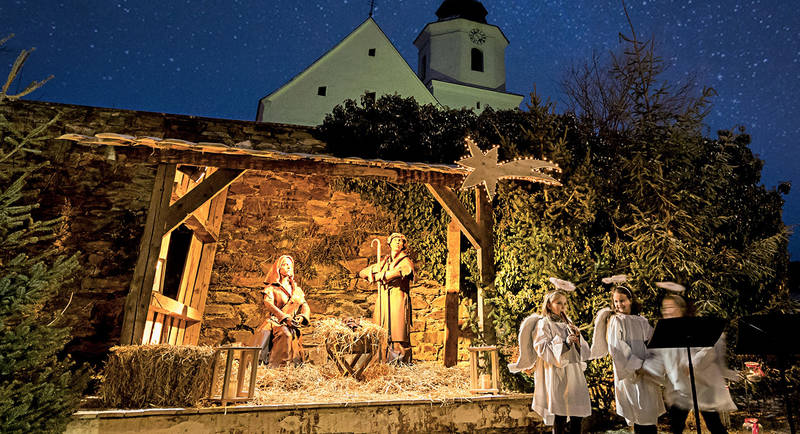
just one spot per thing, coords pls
(301, 167)
(197, 224)
(189, 274)
(200, 194)
(173, 331)
(148, 327)
(158, 325)
(200, 292)
(138, 299)
(455, 209)
(485, 220)
(453, 287)
(181, 332)
(175, 309)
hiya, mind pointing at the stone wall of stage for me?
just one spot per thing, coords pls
(328, 232)
(510, 413)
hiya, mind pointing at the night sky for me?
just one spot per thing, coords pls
(217, 58)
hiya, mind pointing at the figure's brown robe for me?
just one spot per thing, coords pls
(282, 303)
(394, 302)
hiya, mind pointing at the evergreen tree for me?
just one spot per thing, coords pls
(38, 388)
(644, 193)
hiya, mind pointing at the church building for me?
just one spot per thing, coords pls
(461, 63)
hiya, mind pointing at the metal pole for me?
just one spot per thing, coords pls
(694, 391)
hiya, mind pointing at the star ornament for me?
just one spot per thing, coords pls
(484, 169)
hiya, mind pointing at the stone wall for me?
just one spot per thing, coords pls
(106, 202)
(493, 414)
(328, 232)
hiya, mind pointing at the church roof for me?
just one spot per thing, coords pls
(472, 10)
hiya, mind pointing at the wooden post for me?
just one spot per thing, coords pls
(453, 287)
(200, 293)
(138, 300)
(485, 220)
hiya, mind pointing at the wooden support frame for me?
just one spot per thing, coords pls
(479, 231)
(151, 316)
(485, 221)
(184, 207)
(138, 300)
(452, 286)
(448, 199)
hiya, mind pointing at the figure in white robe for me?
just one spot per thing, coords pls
(710, 373)
(637, 395)
(560, 385)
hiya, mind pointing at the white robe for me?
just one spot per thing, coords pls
(710, 372)
(560, 385)
(637, 397)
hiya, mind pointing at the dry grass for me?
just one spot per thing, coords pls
(156, 376)
(342, 338)
(322, 384)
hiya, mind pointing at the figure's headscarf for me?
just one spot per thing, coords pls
(274, 274)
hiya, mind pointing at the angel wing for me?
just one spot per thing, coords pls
(527, 355)
(600, 339)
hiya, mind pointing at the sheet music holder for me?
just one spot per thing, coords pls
(769, 335)
(687, 332)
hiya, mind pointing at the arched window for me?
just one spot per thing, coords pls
(477, 60)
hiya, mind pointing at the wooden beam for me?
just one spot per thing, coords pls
(453, 287)
(137, 301)
(200, 292)
(162, 304)
(200, 229)
(450, 202)
(399, 175)
(183, 208)
(485, 219)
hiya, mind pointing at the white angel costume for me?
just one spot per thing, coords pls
(560, 385)
(710, 372)
(638, 396)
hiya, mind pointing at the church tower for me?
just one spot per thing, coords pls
(461, 58)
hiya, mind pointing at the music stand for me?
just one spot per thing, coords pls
(769, 335)
(687, 332)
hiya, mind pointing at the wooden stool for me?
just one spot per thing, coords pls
(246, 356)
(481, 386)
(354, 359)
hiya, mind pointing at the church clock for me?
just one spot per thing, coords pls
(477, 36)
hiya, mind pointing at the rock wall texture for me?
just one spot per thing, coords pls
(267, 214)
(328, 232)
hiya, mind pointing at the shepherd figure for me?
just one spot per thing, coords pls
(393, 273)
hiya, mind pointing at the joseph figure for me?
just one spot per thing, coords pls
(393, 273)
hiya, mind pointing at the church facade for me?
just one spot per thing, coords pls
(461, 64)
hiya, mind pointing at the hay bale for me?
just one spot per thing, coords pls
(341, 338)
(141, 376)
(322, 384)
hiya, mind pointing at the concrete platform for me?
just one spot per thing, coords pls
(496, 413)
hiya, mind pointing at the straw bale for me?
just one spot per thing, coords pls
(141, 376)
(323, 384)
(334, 330)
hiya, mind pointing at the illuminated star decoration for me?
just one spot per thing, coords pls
(484, 169)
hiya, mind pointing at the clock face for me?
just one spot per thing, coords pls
(477, 36)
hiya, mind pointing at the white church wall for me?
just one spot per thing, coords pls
(456, 96)
(347, 71)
